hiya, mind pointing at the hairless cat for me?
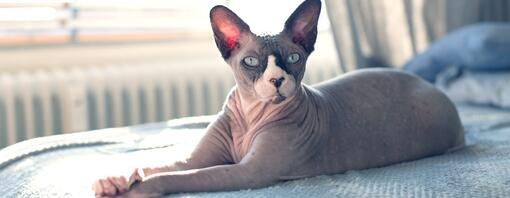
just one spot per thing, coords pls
(273, 128)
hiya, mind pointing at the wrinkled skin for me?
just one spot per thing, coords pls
(273, 128)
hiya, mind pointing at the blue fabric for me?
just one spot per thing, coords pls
(482, 46)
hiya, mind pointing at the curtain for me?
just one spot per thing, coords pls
(387, 33)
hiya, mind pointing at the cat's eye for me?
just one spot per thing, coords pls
(293, 58)
(251, 61)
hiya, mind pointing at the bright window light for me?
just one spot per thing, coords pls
(27, 14)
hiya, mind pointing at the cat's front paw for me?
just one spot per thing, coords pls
(116, 186)
(110, 186)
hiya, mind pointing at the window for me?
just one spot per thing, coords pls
(95, 21)
(98, 21)
(41, 34)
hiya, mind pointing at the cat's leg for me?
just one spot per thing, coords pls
(212, 150)
(269, 158)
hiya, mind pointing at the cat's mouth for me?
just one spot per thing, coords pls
(278, 98)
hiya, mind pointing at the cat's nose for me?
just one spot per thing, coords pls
(277, 82)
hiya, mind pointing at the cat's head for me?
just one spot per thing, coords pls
(268, 68)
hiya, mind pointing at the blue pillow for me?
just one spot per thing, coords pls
(482, 46)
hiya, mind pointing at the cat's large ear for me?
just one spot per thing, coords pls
(228, 29)
(301, 26)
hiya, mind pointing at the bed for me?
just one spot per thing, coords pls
(66, 165)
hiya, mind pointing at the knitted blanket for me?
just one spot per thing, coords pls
(66, 165)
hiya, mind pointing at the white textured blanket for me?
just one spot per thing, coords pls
(65, 166)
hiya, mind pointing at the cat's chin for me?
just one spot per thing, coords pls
(277, 99)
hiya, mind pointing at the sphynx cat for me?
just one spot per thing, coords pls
(273, 128)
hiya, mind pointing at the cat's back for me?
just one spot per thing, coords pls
(375, 86)
(368, 78)
(384, 116)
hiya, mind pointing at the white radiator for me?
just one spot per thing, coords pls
(35, 104)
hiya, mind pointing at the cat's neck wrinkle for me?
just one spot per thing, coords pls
(251, 112)
(248, 118)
